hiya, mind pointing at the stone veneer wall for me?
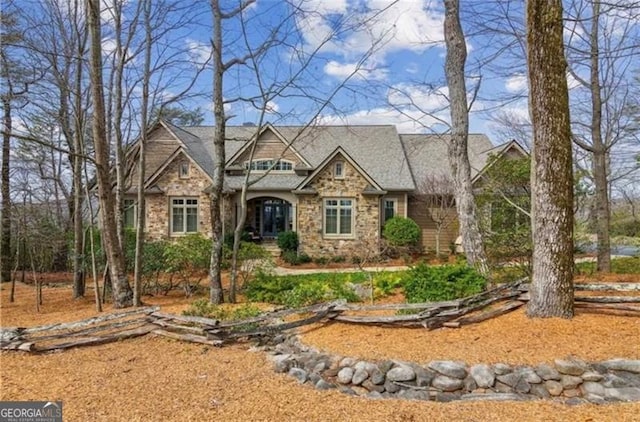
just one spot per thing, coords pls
(366, 221)
(569, 380)
(158, 217)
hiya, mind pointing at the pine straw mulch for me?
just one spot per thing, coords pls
(152, 378)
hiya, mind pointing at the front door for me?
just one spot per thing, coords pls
(275, 217)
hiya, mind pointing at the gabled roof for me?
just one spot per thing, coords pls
(339, 151)
(427, 154)
(288, 143)
(376, 148)
(499, 151)
(391, 162)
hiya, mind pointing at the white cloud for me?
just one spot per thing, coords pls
(405, 25)
(412, 109)
(345, 70)
(516, 83)
(199, 52)
(272, 107)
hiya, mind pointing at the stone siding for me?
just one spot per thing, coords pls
(366, 228)
(158, 205)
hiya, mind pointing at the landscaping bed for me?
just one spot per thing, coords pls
(170, 380)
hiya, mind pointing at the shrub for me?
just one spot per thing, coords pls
(386, 282)
(424, 283)
(321, 260)
(206, 309)
(293, 258)
(400, 231)
(288, 241)
(189, 258)
(301, 290)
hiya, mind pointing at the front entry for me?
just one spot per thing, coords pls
(271, 216)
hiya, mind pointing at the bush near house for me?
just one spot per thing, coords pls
(424, 283)
(402, 232)
(288, 241)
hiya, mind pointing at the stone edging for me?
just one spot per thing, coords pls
(569, 380)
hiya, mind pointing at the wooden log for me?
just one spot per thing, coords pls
(93, 341)
(90, 321)
(177, 327)
(336, 304)
(25, 346)
(85, 331)
(607, 299)
(225, 334)
(207, 322)
(506, 308)
(601, 287)
(191, 338)
(614, 306)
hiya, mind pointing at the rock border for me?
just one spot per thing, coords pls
(569, 380)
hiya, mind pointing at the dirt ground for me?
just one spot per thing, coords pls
(154, 378)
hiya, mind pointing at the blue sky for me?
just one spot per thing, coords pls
(391, 52)
(399, 80)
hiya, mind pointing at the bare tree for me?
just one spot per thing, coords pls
(438, 198)
(14, 87)
(603, 43)
(551, 176)
(122, 293)
(457, 148)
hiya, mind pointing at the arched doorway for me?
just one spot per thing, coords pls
(270, 216)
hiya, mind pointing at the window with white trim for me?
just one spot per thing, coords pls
(338, 170)
(274, 165)
(184, 215)
(183, 170)
(390, 208)
(338, 217)
(130, 213)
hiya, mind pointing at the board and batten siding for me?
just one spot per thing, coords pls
(269, 147)
(419, 213)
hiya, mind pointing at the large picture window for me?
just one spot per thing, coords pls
(338, 217)
(184, 215)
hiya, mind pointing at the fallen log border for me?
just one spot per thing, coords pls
(431, 315)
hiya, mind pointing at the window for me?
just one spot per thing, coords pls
(184, 170)
(338, 170)
(184, 215)
(338, 217)
(264, 165)
(130, 213)
(390, 208)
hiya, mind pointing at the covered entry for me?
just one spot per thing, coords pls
(269, 216)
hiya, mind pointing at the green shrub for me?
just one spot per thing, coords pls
(321, 260)
(302, 290)
(288, 241)
(424, 283)
(206, 309)
(293, 258)
(386, 282)
(228, 238)
(400, 231)
(629, 228)
(338, 259)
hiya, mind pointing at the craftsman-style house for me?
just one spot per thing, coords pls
(334, 185)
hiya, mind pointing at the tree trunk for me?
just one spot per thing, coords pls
(215, 277)
(5, 245)
(141, 209)
(457, 149)
(551, 170)
(600, 152)
(122, 294)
